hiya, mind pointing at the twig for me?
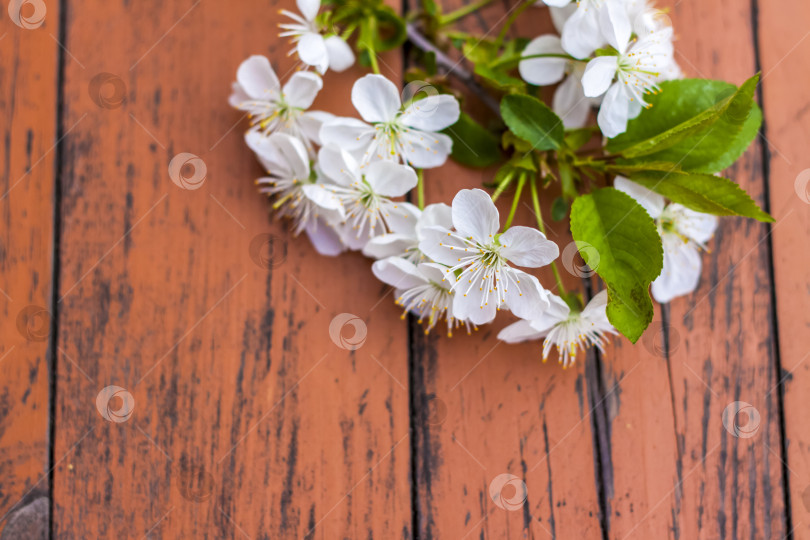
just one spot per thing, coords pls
(453, 68)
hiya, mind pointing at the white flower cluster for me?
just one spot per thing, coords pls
(342, 180)
(608, 51)
(337, 179)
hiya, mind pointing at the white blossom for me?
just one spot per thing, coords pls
(486, 281)
(404, 242)
(566, 330)
(424, 290)
(627, 77)
(684, 233)
(313, 48)
(287, 162)
(273, 108)
(364, 195)
(409, 134)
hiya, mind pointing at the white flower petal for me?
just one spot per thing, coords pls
(398, 216)
(528, 247)
(543, 71)
(472, 307)
(238, 96)
(324, 238)
(312, 51)
(438, 214)
(347, 133)
(695, 225)
(322, 196)
(441, 245)
(557, 3)
(681, 271)
(652, 202)
(388, 245)
(338, 165)
(294, 153)
(398, 273)
(581, 34)
(557, 312)
(570, 103)
(376, 98)
(309, 8)
(341, 56)
(599, 74)
(409, 226)
(615, 24)
(438, 274)
(597, 306)
(310, 123)
(390, 179)
(256, 76)
(300, 90)
(518, 332)
(425, 150)
(474, 214)
(559, 15)
(526, 299)
(268, 154)
(433, 113)
(614, 112)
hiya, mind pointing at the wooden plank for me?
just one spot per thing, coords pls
(28, 100)
(484, 408)
(784, 51)
(248, 420)
(719, 348)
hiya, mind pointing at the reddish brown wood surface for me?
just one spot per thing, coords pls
(784, 55)
(249, 421)
(248, 418)
(675, 467)
(28, 84)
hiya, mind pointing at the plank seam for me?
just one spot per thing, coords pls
(600, 431)
(665, 346)
(56, 260)
(774, 323)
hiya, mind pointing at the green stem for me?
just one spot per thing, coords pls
(502, 187)
(453, 16)
(348, 32)
(515, 201)
(420, 188)
(512, 18)
(368, 42)
(540, 225)
(372, 56)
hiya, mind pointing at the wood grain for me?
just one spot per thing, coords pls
(718, 346)
(248, 419)
(784, 51)
(28, 101)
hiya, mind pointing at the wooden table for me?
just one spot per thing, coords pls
(248, 421)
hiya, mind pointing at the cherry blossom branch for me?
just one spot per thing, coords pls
(453, 68)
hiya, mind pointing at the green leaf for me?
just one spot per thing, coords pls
(499, 79)
(702, 193)
(619, 240)
(532, 121)
(576, 138)
(473, 145)
(702, 125)
(479, 51)
(559, 209)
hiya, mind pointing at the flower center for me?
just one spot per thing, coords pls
(369, 199)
